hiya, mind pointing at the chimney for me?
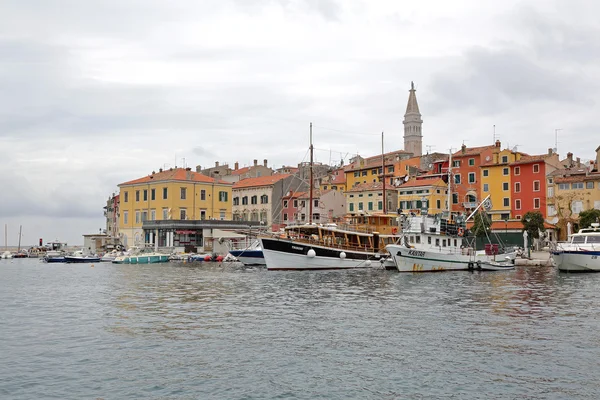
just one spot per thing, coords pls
(255, 163)
(497, 143)
(570, 159)
(216, 164)
(160, 170)
(265, 162)
(198, 168)
(237, 165)
(550, 151)
(463, 148)
(578, 162)
(597, 157)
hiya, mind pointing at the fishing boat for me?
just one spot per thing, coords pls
(438, 242)
(358, 243)
(581, 253)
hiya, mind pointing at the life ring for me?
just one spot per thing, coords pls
(461, 231)
(394, 231)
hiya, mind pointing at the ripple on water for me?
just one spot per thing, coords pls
(224, 331)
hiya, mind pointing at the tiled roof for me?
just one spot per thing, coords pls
(294, 195)
(260, 181)
(531, 159)
(472, 151)
(177, 174)
(240, 171)
(580, 177)
(375, 161)
(362, 187)
(423, 182)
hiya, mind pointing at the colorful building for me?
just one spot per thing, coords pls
(259, 199)
(495, 178)
(336, 180)
(466, 163)
(528, 189)
(173, 194)
(368, 198)
(423, 196)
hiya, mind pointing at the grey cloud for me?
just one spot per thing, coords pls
(493, 81)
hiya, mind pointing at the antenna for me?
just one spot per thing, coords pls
(494, 138)
(556, 139)
(429, 147)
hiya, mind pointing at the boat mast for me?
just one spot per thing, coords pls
(449, 206)
(383, 172)
(310, 192)
(20, 229)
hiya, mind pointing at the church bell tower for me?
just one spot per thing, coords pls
(413, 138)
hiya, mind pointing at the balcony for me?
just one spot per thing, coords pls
(471, 204)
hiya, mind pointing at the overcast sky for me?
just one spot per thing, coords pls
(97, 92)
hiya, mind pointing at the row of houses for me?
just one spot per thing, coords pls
(394, 182)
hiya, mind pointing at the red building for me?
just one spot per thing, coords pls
(528, 177)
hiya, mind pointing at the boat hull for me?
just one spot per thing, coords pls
(249, 257)
(577, 261)
(287, 255)
(418, 260)
(57, 259)
(81, 260)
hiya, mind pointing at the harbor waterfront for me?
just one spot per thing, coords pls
(225, 331)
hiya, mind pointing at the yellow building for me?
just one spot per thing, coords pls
(173, 194)
(367, 198)
(368, 170)
(334, 181)
(496, 182)
(423, 194)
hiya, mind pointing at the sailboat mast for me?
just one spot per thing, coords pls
(20, 230)
(449, 184)
(310, 192)
(383, 173)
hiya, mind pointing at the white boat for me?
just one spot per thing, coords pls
(358, 244)
(6, 255)
(136, 255)
(437, 242)
(495, 265)
(581, 253)
(251, 255)
(56, 252)
(80, 256)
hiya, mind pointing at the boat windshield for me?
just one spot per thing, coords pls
(593, 239)
(578, 239)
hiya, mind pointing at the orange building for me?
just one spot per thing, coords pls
(466, 188)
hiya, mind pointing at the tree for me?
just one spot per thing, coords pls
(481, 225)
(587, 217)
(533, 223)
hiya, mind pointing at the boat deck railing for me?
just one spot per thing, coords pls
(327, 242)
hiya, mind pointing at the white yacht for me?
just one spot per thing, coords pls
(581, 253)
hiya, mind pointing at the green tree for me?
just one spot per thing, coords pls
(533, 223)
(587, 217)
(481, 225)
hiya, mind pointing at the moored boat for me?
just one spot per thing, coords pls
(251, 255)
(581, 253)
(141, 256)
(81, 257)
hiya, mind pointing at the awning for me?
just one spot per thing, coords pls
(185, 232)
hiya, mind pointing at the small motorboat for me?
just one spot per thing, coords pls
(81, 257)
(495, 265)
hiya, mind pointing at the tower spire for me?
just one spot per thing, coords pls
(413, 139)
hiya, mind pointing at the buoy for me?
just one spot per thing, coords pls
(342, 255)
(311, 253)
(92, 266)
(207, 258)
(368, 263)
(219, 258)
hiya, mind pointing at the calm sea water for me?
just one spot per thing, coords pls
(210, 331)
